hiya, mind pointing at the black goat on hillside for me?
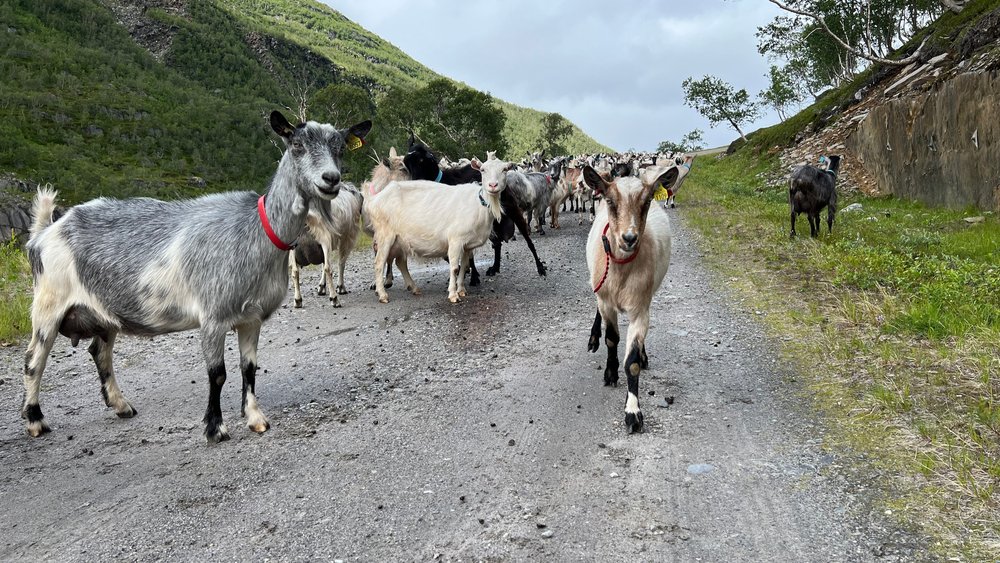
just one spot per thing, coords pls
(810, 189)
(422, 164)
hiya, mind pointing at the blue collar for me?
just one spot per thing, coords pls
(481, 200)
(440, 173)
(831, 172)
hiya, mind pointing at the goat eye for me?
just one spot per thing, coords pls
(297, 145)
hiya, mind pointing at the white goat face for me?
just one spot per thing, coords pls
(495, 175)
(316, 151)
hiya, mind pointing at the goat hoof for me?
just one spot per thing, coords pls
(341, 290)
(371, 287)
(336, 303)
(415, 290)
(462, 293)
(37, 428)
(491, 272)
(221, 434)
(127, 412)
(298, 303)
(671, 207)
(633, 422)
(258, 424)
(610, 377)
(594, 344)
(388, 282)
(454, 299)
(321, 291)
(383, 299)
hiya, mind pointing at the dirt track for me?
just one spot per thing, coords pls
(420, 428)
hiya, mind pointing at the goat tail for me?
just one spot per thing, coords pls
(42, 209)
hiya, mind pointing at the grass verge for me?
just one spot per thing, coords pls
(894, 321)
(15, 293)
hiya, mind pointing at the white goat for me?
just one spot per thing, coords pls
(422, 218)
(330, 226)
(628, 252)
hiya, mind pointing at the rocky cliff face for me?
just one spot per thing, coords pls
(940, 147)
(929, 131)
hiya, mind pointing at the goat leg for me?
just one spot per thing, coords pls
(633, 366)
(101, 350)
(594, 344)
(42, 339)
(495, 268)
(213, 343)
(474, 277)
(611, 339)
(249, 335)
(525, 228)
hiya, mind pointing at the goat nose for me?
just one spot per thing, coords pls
(629, 238)
(493, 184)
(331, 178)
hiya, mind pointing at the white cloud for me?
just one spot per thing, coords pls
(613, 68)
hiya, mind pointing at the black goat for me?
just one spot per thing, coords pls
(810, 189)
(422, 164)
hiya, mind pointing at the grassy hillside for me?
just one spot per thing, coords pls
(367, 60)
(88, 109)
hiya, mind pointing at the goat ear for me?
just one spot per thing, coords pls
(667, 180)
(360, 130)
(280, 125)
(392, 152)
(594, 180)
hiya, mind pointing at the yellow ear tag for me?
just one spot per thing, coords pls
(354, 142)
(661, 193)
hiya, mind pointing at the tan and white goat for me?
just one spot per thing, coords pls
(628, 252)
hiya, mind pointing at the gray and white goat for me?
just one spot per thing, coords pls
(148, 267)
(533, 192)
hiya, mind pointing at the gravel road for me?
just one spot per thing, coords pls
(423, 430)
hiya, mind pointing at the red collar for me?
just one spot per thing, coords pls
(609, 258)
(607, 248)
(267, 227)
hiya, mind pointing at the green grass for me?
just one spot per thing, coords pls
(15, 293)
(894, 320)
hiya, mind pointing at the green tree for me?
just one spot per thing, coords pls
(719, 102)
(342, 105)
(555, 129)
(692, 141)
(781, 93)
(454, 120)
(833, 40)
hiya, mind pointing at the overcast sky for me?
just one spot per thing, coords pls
(613, 68)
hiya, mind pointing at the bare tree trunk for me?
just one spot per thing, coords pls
(738, 130)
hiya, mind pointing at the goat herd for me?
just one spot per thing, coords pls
(221, 262)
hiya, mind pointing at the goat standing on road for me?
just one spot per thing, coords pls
(628, 252)
(810, 189)
(148, 267)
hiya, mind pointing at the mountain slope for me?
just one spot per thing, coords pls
(368, 60)
(167, 97)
